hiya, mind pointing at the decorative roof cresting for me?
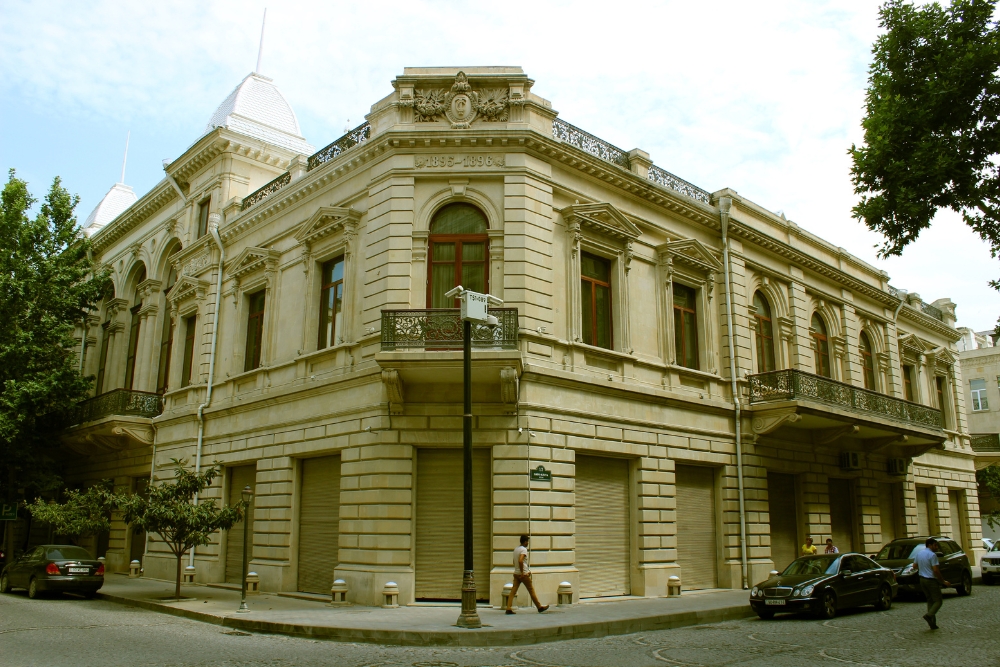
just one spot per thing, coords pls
(257, 109)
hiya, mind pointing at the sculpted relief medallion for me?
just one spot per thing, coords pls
(461, 105)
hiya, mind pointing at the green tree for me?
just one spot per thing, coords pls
(170, 512)
(932, 123)
(989, 479)
(46, 285)
(81, 514)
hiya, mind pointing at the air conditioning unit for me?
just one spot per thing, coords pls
(897, 467)
(850, 460)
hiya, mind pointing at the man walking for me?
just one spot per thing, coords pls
(522, 575)
(931, 580)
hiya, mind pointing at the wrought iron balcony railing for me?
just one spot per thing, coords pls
(266, 191)
(118, 402)
(986, 442)
(358, 135)
(441, 329)
(795, 385)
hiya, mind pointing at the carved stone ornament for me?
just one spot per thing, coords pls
(508, 388)
(461, 105)
(393, 390)
(764, 424)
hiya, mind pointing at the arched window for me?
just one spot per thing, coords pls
(103, 359)
(458, 250)
(133, 332)
(167, 339)
(866, 361)
(822, 352)
(765, 334)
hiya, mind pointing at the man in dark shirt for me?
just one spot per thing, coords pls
(931, 580)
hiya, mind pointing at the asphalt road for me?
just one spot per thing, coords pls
(71, 631)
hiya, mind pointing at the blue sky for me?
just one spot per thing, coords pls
(764, 98)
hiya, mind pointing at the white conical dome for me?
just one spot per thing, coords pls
(119, 198)
(258, 109)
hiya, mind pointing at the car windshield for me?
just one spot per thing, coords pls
(899, 550)
(67, 553)
(817, 566)
(996, 547)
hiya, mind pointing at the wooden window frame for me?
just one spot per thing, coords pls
(822, 351)
(679, 327)
(324, 290)
(867, 361)
(763, 340)
(255, 327)
(458, 240)
(133, 345)
(102, 362)
(187, 361)
(204, 209)
(908, 383)
(593, 304)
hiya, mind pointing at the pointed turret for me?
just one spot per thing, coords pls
(119, 198)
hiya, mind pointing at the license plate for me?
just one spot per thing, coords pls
(774, 603)
(79, 570)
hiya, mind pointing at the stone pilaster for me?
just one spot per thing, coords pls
(529, 250)
(798, 310)
(385, 249)
(272, 523)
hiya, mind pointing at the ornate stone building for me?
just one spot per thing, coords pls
(284, 314)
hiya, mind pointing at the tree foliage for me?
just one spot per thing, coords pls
(81, 514)
(169, 511)
(46, 286)
(932, 122)
(989, 479)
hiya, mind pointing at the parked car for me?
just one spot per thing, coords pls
(991, 565)
(954, 563)
(823, 584)
(54, 567)
(988, 544)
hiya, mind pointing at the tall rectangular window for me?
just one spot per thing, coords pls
(133, 346)
(203, 209)
(255, 331)
(190, 330)
(103, 360)
(595, 294)
(331, 303)
(166, 349)
(939, 385)
(908, 382)
(979, 401)
(685, 326)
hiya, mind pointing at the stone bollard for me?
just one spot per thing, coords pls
(188, 576)
(133, 569)
(338, 593)
(507, 589)
(565, 593)
(253, 583)
(673, 586)
(390, 595)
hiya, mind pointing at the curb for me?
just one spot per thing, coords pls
(483, 637)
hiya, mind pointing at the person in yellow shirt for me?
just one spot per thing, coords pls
(808, 549)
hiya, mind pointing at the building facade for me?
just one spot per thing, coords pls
(283, 314)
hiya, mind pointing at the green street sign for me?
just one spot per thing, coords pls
(540, 474)
(8, 512)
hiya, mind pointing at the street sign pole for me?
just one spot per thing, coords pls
(469, 618)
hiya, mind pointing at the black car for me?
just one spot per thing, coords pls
(954, 563)
(823, 584)
(54, 567)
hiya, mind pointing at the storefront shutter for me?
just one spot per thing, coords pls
(955, 510)
(602, 526)
(887, 512)
(319, 523)
(697, 546)
(239, 477)
(923, 511)
(841, 515)
(784, 519)
(439, 538)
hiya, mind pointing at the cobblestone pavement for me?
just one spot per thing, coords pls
(69, 631)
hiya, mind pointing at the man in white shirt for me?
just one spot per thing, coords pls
(931, 579)
(830, 549)
(522, 575)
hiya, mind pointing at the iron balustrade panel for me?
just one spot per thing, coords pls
(671, 182)
(441, 329)
(789, 385)
(986, 442)
(118, 402)
(358, 135)
(263, 193)
(588, 143)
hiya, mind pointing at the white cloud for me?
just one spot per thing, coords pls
(764, 98)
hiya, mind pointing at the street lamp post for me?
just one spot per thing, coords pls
(247, 499)
(474, 309)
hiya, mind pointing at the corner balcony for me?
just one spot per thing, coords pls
(812, 408)
(113, 421)
(987, 448)
(421, 358)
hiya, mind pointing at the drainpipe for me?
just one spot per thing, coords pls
(213, 228)
(724, 205)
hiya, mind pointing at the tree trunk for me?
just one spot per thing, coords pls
(177, 586)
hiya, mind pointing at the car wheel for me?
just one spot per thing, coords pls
(765, 615)
(33, 591)
(829, 608)
(5, 584)
(965, 588)
(884, 601)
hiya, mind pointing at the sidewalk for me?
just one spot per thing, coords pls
(425, 625)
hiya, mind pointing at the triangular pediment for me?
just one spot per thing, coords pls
(912, 343)
(187, 286)
(325, 221)
(691, 252)
(602, 218)
(250, 260)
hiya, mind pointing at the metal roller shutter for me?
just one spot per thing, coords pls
(841, 515)
(439, 538)
(783, 513)
(955, 510)
(697, 547)
(923, 511)
(319, 523)
(239, 477)
(602, 526)
(887, 512)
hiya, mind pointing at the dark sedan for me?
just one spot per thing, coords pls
(823, 584)
(954, 563)
(56, 568)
